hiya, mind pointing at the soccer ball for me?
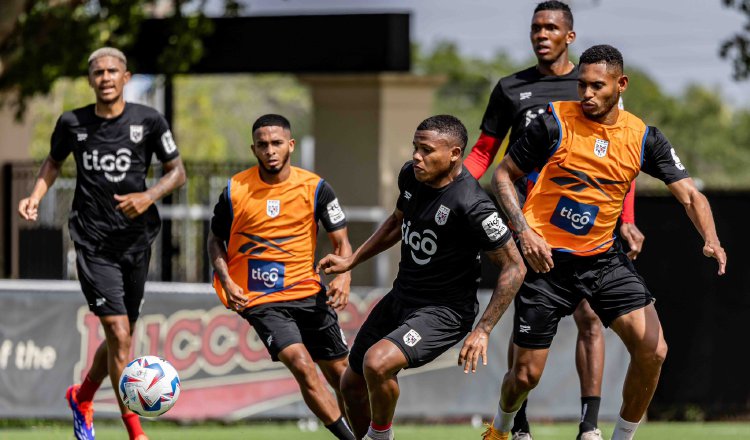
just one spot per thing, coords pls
(149, 386)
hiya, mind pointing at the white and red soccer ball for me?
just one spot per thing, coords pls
(149, 386)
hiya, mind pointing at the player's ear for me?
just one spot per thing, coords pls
(126, 76)
(622, 83)
(292, 142)
(570, 38)
(456, 153)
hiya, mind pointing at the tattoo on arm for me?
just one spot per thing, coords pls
(512, 272)
(505, 193)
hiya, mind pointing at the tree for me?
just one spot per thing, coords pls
(737, 48)
(42, 40)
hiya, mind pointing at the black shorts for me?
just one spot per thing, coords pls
(309, 321)
(421, 332)
(113, 283)
(607, 281)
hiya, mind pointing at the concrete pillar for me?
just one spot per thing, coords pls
(15, 140)
(363, 127)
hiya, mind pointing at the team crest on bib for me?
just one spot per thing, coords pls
(600, 147)
(273, 207)
(136, 133)
(441, 216)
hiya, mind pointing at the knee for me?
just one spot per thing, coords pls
(353, 386)
(652, 356)
(303, 369)
(375, 367)
(589, 325)
(525, 379)
(118, 337)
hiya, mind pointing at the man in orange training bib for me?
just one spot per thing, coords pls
(262, 247)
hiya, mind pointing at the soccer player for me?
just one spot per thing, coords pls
(515, 102)
(588, 152)
(262, 247)
(443, 219)
(113, 220)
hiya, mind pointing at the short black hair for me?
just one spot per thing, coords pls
(446, 124)
(603, 53)
(272, 120)
(555, 5)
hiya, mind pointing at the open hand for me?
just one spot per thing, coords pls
(475, 346)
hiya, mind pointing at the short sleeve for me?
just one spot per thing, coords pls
(539, 141)
(327, 208)
(660, 158)
(61, 144)
(404, 175)
(221, 223)
(162, 141)
(487, 226)
(498, 116)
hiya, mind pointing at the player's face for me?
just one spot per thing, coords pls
(599, 88)
(108, 76)
(550, 36)
(434, 155)
(273, 147)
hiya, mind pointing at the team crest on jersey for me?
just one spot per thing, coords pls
(273, 207)
(441, 216)
(600, 147)
(136, 133)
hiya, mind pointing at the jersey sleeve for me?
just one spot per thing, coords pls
(498, 116)
(403, 193)
(327, 208)
(482, 154)
(221, 222)
(486, 224)
(660, 159)
(532, 150)
(162, 141)
(61, 144)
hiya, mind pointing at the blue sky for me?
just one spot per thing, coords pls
(676, 41)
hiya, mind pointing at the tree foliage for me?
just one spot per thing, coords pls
(737, 48)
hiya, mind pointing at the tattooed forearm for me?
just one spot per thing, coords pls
(505, 193)
(512, 273)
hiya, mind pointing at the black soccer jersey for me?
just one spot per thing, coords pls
(112, 157)
(519, 98)
(442, 232)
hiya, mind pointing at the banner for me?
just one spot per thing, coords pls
(48, 339)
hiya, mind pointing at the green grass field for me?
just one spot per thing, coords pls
(557, 431)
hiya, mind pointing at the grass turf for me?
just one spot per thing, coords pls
(274, 431)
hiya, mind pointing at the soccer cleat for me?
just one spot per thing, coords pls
(590, 435)
(83, 415)
(520, 435)
(493, 434)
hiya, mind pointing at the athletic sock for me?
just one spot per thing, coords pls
(341, 430)
(87, 390)
(520, 422)
(624, 430)
(589, 413)
(503, 420)
(380, 432)
(133, 425)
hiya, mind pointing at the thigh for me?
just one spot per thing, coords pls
(428, 332)
(383, 319)
(275, 327)
(134, 278)
(618, 290)
(101, 281)
(540, 303)
(640, 330)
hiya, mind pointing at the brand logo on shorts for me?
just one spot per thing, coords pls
(136, 133)
(441, 216)
(576, 218)
(411, 338)
(265, 276)
(100, 301)
(524, 328)
(269, 340)
(343, 337)
(407, 195)
(600, 147)
(273, 208)
(423, 245)
(115, 166)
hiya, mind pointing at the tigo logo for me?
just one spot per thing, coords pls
(265, 276)
(115, 166)
(576, 218)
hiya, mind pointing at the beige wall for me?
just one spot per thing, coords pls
(363, 127)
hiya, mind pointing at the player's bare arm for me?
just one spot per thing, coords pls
(699, 210)
(217, 253)
(536, 251)
(634, 237)
(388, 234)
(135, 204)
(338, 288)
(512, 272)
(28, 208)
